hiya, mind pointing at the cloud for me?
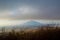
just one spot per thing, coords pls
(30, 9)
(41, 13)
(26, 12)
(6, 14)
(32, 12)
(51, 13)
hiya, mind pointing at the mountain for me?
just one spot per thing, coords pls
(32, 24)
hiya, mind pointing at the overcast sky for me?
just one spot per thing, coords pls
(30, 9)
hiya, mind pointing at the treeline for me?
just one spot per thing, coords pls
(43, 33)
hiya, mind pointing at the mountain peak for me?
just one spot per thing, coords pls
(32, 23)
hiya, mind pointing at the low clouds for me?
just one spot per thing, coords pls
(27, 12)
(24, 12)
(42, 13)
(51, 13)
(31, 9)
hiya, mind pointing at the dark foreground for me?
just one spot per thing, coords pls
(39, 34)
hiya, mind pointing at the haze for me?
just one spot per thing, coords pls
(28, 10)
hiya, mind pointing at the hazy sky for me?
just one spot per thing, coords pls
(14, 12)
(30, 9)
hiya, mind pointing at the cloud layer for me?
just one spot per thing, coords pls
(31, 10)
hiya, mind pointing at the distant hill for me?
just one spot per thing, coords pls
(32, 24)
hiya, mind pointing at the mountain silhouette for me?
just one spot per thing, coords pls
(33, 24)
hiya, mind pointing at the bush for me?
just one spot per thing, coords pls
(48, 34)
